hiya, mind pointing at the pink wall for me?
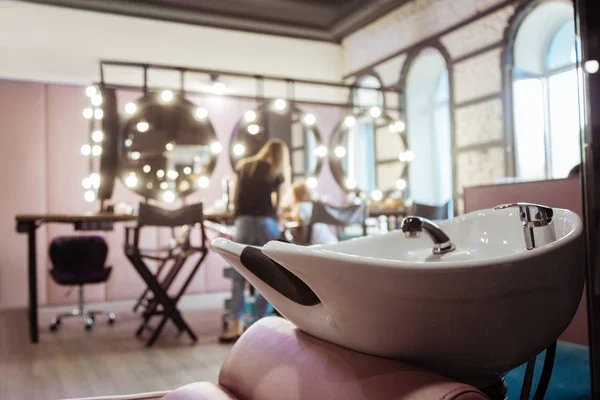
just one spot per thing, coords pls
(42, 168)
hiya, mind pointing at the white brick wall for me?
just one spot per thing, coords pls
(479, 167)
(405, 26)
(481, 33)
(479, 123)
(478, 76)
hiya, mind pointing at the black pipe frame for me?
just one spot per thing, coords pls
(257, 77)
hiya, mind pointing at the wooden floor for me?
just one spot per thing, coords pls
(109, 359)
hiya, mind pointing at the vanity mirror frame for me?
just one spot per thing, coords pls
(337, 140)
(201, 123)
(298, 116)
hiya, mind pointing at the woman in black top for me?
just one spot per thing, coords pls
(261, 180)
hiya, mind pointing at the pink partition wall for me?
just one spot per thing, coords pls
(42, 168)
(559, 193)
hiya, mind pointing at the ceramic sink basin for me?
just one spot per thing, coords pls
(471, 314)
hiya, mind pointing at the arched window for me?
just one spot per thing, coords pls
(428, 126)
(361, 160)
(545, 93)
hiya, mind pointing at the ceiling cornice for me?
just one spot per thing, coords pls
(353, 17)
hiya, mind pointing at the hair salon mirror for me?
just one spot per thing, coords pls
(284, 121)
(168, 147)
(368, 149)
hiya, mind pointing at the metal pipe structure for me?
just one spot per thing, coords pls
(241, 96)
(180, 68)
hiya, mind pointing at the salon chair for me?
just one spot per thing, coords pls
(340, 217)
(79, 261)
(273, 360)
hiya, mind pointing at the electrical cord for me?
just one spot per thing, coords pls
(542, 386)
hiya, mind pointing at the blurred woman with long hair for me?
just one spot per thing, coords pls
(261, 181)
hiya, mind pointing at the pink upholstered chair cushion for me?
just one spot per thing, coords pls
(273, 360)
(199, 391)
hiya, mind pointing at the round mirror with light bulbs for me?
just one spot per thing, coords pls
(168, 147)
(368, 152)
(281, 120)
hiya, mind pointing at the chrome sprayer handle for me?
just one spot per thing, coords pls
(412, 226)
(536, 220)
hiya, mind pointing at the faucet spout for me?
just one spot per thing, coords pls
(412, 226)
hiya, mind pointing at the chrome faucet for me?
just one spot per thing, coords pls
(412, 226)
(537, 223)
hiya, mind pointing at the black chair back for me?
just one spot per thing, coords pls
(186, 216)
(149, 215)
(431, 212)
(78, 255)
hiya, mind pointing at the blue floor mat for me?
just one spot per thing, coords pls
(570, 377)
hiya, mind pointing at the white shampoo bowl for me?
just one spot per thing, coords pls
(471, 314)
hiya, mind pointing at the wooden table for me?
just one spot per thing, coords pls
(28, 223)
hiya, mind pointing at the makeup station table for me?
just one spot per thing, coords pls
(28, 224)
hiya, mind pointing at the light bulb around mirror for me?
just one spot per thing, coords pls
(147, 169)
(90, 91)
(131, 180)
(166, 96)
(239, 149)
(96, 99)
(187, 170)
(377, 195)
(96, 150)
(128, 142)
(253, 129)
(219, 87)
(168, 196)
(164, 185)
(203, 182)
(86, 183)
(86, 149)
(172, 174)
(130, 108)
(97, 136)
(142, 126)
(340, 152)
(591, 66)
(280, 104)
(135, 155)
(95, 179)
(406, 156)
(249, 116)
(216, 147)
(349, 121)
(350, 183)
(160, 173)
(321, 151)
(201, 113)
(98, 113)
(312, 182)
(149, 185)
(310, 119)
(169, 146)
(88, 113)
(400, 184)
(375, 112)
(89, 196)
(400, 126)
